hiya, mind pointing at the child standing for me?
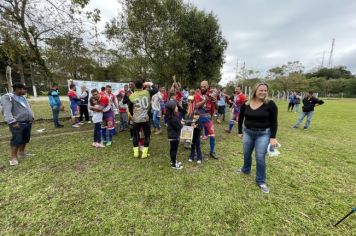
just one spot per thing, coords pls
(97, 119)
(193, 120)
(173, 131)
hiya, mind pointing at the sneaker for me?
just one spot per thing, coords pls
(177, 166)
(59, 126)
(179, 163)
(190, 160)
(205, 137)
(14, 162)
(99, 145)
(89, 122)
(75, 126)
(213, 155)
(239, 171)
(94, 144)
(228, 131)
(264, 188)
(295, 127)
(199, 162)
(158, 132)
(27, 154)
(80, 123)
(109, 143)
(305, 128)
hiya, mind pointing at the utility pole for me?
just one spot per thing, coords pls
(331, 53)
(322, 61)
(237, 71)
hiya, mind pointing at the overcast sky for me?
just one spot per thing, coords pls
(268, 33)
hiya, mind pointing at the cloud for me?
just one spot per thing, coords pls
(264, 34)
(270, 33)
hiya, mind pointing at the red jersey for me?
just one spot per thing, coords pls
(179, 96)
(239, 100)
(209, 107)
(164, 96)
(72, 95)
(121, 93)
(104, 100)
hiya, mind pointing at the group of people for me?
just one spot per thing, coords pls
(309, 102)
(140, 106)
(294, 101)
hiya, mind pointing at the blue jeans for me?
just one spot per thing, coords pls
(309, 116)
(296, 107)
(156, 119)
(259, 141)
(55, 111)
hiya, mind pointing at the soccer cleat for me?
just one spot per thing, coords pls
(136, 153)
(144, 152)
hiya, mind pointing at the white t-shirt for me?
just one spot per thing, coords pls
(97, 116)
(156, 101)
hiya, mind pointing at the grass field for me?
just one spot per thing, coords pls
(70, 188)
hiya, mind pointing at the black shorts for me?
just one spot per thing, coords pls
(20, 135)
(221, 110)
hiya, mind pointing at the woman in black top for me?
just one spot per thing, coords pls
(259, 116)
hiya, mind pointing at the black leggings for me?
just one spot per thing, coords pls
(173, 151)
(84, 111)
(146, 131)
(291, 105)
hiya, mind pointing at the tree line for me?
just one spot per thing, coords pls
(328, 82)
(55, 40)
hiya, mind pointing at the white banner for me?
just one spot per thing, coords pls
(116, 87)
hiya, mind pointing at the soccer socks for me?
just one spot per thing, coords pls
(136, 153)
(144, 152)
(103, 134)
(212, 144)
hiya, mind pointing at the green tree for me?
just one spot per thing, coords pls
(169, 37)
(32, 22)
(332, 73)
(67, 55)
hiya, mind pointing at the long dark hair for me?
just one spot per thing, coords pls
(92, 99)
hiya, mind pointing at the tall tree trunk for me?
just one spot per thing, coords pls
(9, 79)
(22, 74)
